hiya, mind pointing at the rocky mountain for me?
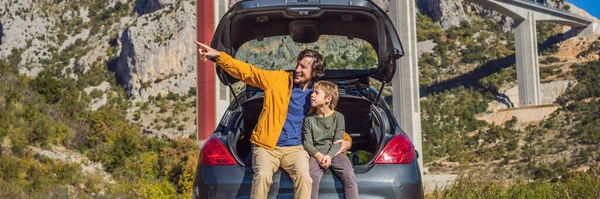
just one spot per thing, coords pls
(505, 22)
(152, 44)
(41, 30)
(148, 42)
(447, 13)
(21, 30)
(157, 49)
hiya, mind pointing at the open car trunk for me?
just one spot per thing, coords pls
(305, 21)
(363, 123)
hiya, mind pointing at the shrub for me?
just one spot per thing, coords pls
(487, 185)
(50, 87)
(96, 93)
(136, 116)
(172, 96)
(192, 91)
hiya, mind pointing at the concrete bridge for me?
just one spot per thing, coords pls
(526, 13)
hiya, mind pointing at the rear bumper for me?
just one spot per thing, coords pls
(378, 181)
(229, 181)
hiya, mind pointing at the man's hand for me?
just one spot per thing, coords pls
(325, 162)
(345, 146)
(206, 51)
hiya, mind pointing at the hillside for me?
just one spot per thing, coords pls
(469, 126)
(64, 127)
(457, 101)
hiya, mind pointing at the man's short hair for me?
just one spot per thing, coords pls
(330, 89)
(318, 63)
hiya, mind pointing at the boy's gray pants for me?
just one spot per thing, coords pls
(342, 167)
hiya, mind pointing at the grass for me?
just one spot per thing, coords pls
(487, 184)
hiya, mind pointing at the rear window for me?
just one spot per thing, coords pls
(281, 52)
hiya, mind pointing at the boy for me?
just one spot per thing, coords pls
(320, 129)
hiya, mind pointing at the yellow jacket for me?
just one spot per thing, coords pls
(277, 85)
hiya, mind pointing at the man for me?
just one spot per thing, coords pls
(277, 137)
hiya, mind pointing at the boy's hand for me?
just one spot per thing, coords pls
(206, 51)
(325, 162)
(319, 156)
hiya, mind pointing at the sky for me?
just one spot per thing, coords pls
(591, 6)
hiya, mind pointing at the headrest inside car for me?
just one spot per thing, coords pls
(304, 31)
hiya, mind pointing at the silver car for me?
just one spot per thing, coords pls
(385, 161)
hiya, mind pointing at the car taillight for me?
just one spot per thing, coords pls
(214, 153)
(398, 151)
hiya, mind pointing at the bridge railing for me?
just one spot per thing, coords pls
(534, 3)
(547, 6)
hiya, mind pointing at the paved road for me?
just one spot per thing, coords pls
(441, 181)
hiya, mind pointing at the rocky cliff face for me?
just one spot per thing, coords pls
(153, 44)
(150, 47)
(150, 6)
(158, 53)
(23, 31)
(40, 31)
(506, 23)
(447, 12)
(282, 52)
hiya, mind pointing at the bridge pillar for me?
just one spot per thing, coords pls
(585, 31)
(528, 70)
(405, 85)
(205, 71)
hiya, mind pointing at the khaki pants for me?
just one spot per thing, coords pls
(293, 159)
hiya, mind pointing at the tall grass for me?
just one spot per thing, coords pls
(481, 185)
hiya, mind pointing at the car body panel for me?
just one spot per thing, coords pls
(376, 181)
